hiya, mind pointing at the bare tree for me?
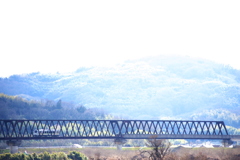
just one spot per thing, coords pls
(159, 148)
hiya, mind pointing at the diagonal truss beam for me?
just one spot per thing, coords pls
(89, 129)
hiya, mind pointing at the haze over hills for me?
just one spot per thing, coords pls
(163, 87)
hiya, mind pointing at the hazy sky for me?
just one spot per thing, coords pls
(51, 36)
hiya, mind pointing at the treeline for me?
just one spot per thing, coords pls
(15, 107)
(229, 118)
(73, 155)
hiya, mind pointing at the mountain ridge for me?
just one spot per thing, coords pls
(148, 88)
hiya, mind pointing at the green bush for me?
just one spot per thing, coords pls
(54, 156)
(62, 156)
(44, 156)
(5, 156)
(17, 156)
(77, 156)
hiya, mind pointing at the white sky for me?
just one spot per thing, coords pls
(51, 36)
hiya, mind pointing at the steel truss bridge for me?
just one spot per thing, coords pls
(111, 129)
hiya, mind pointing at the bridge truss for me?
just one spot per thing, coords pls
(111, 129)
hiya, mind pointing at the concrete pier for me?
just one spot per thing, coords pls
(227, 143)
(119, 142)
(13, 144)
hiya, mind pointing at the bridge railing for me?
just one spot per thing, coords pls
(88, 129)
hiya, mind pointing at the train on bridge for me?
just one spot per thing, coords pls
(46, 132)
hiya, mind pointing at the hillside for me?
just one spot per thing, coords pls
(164, 87)
(15, 107)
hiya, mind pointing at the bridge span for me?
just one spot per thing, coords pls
(14, 131)
(111, 129)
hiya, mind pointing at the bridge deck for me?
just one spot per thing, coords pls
(110, 129)
(180, 136)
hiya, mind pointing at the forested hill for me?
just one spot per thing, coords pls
(164, 87)
(15, 107)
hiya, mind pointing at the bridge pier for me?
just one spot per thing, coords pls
(227, 142)
(238, 143)
(119, 142)
(13, 144)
